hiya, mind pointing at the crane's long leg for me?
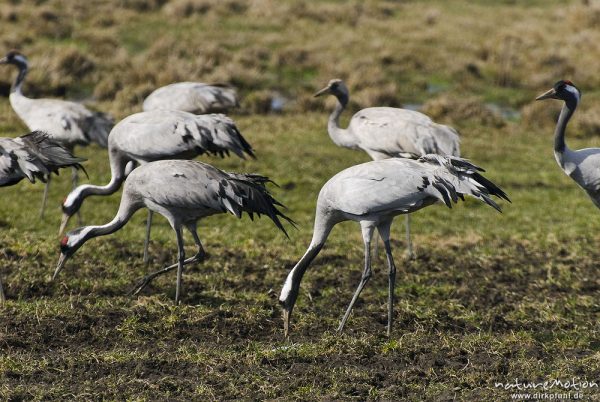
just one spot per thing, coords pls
(181, 259)
(409, 246)
(384, 231)
(199, 257)
(2, 298)
(367, 230)
(147, 239)
(45, 196)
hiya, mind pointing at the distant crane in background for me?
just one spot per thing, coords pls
(582, 165)
(32, 156)
(385, 132)
(68, 123)
(183, 191)
(193, 97)
(156, 135)
(372, 194)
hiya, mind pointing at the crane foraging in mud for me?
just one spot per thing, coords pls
(372, 194)
(184, 192)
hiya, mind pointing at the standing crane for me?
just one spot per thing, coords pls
(68, 123)
(161, 134)
(32, 156)
(582, 165)
(193, 97)
(184, 192)
(372, 194)
(385, 132)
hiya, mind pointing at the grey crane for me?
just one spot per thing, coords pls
(156, 135)
(68, 123)
(582, 165)
(372, 194)
(193, 97)
(384, 132)
(184, 192)
(32, 156)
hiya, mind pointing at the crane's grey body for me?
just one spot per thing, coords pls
(183, 191)
(192, 97)
(68, 123)
(372, 194)
(31, 156)
(161, 134)
(385, 132)
(582, 165)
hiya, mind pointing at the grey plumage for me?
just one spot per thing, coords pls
(182, 191)
(193, 97)
(32, 156)
(384, 132)
(161, 134)
(372, 194)
(67, 123)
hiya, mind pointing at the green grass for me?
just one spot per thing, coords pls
(490, 297)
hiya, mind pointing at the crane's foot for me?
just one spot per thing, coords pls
(145, 281)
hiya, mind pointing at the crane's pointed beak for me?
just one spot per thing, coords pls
(63, 223)
(3, 60)
(61, 263)
(322, 92)
(286, 322)
(551, 94)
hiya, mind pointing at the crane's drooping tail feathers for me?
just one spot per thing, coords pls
(97, 127)
(247, 193)
(223, 137)
(52, 155)
(469, 182)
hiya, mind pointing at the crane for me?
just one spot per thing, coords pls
(384, 132)
(156, 135)
(32, 156)
(582, 165)
(372, 194)
(183, 191)
(193, 97)
(67, 123)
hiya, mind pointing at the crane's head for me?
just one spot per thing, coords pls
(70, 206)
(335, 87)
(69, 244)
(564, 90)
(15, 58)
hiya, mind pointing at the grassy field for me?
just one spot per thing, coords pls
(489, 298)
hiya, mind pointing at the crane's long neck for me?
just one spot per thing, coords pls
(341, 137)
(567, 111)
(126, 210)
(117, 171)
(323, 225)
(16, 86)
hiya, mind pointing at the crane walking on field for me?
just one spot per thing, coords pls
(161, 134)
(193, 97)
(372, 194)
(582, 165)
(32, 156)
(385, 132)
(67, 123)
(184, 192)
